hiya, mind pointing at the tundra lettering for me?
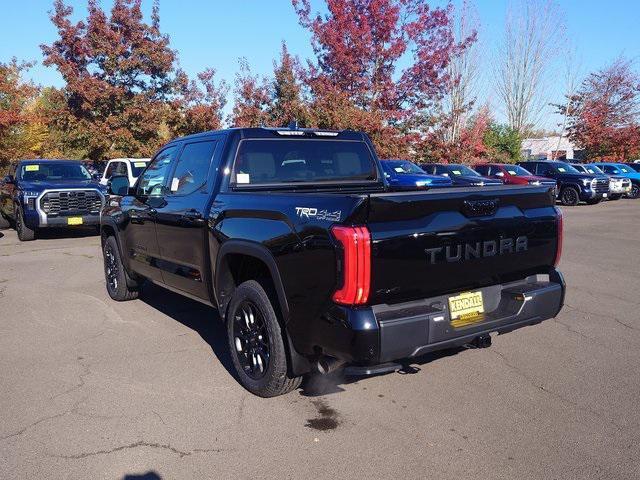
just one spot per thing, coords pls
(484, 249)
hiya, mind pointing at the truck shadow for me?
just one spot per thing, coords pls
(205, 321)
(200, 318)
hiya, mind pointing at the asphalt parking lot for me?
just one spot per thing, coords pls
(92, 388)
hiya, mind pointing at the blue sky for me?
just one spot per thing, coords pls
(215, 33)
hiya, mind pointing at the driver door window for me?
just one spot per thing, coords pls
(192, 168)
(152, 182)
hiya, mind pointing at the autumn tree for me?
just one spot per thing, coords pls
(121, 86)
(251, 99)
(604, 114)
(17, 114)
(287, 97)
(468, 146)
(199, 105)
(378, 63)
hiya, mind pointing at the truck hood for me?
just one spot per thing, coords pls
(60, 185)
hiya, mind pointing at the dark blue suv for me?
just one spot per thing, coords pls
(573, 186)
(50, 193)
(405, 175)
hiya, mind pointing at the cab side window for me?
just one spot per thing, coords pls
(152, 182)
(110, 170)
(121, 169)
(192, 169)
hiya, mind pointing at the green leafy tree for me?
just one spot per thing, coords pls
(503, 142)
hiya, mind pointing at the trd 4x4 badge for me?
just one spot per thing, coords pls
(310, 212)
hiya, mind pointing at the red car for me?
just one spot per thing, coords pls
(511, 174)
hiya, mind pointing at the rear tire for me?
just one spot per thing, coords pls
(635, 191)
(114, 273)
(569, 196)
(25, 234)
(256, 343)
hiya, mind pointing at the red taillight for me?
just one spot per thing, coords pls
(560, 227)
(356, 265)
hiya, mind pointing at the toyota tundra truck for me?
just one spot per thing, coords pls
(42, 194)
(314, 263)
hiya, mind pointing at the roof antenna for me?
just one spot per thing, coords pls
(293, 124)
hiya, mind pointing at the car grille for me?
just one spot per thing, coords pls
(67, 202)
(602, 186)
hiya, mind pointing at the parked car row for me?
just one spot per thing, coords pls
(575, 183)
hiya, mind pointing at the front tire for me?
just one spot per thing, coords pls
(25, 234)
(114, 273)
(635, 191)
(256, 343)
(569, 196)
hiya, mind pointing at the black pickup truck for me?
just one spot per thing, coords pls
(313, 264)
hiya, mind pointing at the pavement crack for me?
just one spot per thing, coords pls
(586, 312)
(139, 444)
(81, 381)
(43, 419)
(553, 394)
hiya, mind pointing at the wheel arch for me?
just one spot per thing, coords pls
(241, 260)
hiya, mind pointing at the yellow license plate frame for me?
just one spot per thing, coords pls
(466, 309)
(74, 221)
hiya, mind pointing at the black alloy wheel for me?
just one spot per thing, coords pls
(251, 340)
(635, 191)
(569, 196)
(256, 341)
(114, 273)
(111, 268)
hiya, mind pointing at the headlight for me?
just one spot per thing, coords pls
(586, 182)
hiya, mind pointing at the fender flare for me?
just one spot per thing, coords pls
(251, 249)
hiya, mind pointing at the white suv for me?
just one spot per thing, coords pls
(131, 167)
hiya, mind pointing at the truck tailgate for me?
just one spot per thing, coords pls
(446, 241)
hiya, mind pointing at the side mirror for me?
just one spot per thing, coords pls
(118, 185)
(8, 179)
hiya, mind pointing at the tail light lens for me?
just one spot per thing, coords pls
(560, 227)
(356, 265)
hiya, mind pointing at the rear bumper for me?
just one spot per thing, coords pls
(385, 333)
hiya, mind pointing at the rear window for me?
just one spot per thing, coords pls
(263, 162)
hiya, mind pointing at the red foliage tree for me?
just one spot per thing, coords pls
(604, 114)
(16, 96)
(252, 100)
(123, 94)
(358, 80)
(287, 97)
(468, 147)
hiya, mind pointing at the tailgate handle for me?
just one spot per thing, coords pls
(479, 208)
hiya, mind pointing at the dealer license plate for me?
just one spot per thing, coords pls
(74, 221)
(466, 308)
